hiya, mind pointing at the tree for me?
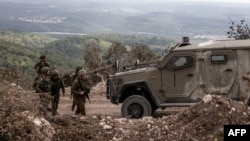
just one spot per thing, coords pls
(238, 31)
(143, 53)
(91, 55)
(116, 51)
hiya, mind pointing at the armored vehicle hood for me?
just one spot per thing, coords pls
(136, 71)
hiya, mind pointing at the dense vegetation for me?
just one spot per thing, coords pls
(20, 51)
(15, 55)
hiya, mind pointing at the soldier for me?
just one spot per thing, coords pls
(42, 86)
(67, 79)
(80, 90)
(75, 76)
(42, 63)
(43, 83)
(56, 85)
(78, 68)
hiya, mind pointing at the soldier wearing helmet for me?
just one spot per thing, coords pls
(43, 81)
(42, 63)
(56, 85)
(75, 76)
(42, 86)
(80, 88)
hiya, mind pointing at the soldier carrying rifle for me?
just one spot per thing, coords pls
(80, 90)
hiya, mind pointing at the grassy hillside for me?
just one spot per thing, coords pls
(25, 38)
(18, 56)
(21, 50)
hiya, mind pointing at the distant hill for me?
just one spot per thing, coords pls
(169, 19)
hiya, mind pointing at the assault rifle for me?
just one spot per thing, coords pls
(85, 92)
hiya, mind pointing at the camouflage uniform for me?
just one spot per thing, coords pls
(56, 85)
(42, 63)
(79, 89)
(75, 76)
(42, 86)
(43, 81)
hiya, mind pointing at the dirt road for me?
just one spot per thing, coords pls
(100, 105)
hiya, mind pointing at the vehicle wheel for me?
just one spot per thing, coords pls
(136, 106)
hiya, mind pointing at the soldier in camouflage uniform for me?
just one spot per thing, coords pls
(75, 76)
(80, 88)
(42, 63)
(43, 81)
(56, 85)
(42, 86)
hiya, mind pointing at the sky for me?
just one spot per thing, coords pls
(155, 1)
(145, 1)
(224, 1)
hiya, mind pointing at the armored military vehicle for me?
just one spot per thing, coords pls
(183, 77)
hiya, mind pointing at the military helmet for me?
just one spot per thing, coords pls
(45, 69)
(42, 57)
(54, 72)
(81, 72)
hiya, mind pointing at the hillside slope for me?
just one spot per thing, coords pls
(203, 121)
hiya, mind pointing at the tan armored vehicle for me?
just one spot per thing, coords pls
(184, 77)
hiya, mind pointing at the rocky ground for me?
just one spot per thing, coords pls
(22, 119)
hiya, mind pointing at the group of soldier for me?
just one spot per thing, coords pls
(49, 82)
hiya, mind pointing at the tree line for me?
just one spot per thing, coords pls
(65, 54)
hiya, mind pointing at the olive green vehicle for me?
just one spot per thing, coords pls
(183, 77)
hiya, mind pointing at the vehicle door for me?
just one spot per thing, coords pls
(219, 71)
(179, 75)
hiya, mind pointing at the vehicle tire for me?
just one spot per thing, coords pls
(136, 106)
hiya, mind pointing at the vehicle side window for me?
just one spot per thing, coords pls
(178, 62)
(215, 59)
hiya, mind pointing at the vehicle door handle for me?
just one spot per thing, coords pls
(228, 70)
(190, 74)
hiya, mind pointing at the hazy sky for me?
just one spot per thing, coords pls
(146, 1)
(155, 1)
(227, 1)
